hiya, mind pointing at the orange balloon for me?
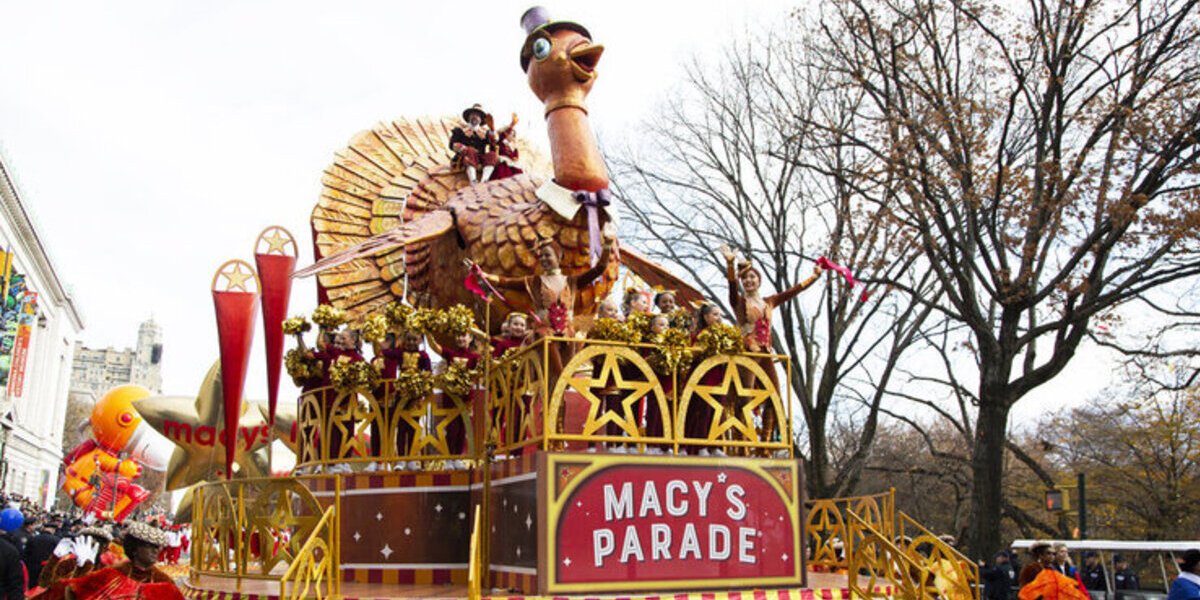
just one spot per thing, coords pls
(113, 417)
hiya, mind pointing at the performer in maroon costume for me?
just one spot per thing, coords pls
(462, 356)
(410, 358)
(699, 413)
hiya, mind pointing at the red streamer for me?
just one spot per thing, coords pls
(825, 263)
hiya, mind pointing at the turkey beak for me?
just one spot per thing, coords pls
(584, 58)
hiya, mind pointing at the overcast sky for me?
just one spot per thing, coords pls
(154, 140)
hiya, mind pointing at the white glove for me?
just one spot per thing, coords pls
(86, 551)
(64, 547)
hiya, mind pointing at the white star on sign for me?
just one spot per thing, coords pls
(579, 503)
(357, 536)
(462, 516)
(386, 552)
(514, 509)
(721, 477)
(518, 552)
(407, 531)
(567, 561)
(378, 516)
(784, 556)
(438, 507)
(528, 522)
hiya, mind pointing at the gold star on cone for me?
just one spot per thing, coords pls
(236, 278)
(276, 242)
(195, 424)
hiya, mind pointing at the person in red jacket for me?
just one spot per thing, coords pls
(137, 577)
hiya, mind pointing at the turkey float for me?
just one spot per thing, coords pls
(398, 215)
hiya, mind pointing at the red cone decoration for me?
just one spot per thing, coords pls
(275, 261)
(235, 291)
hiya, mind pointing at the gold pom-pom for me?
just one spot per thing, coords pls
(639, 322)
(348, 375)
(375, 328)
(423, 320)
(455, 321)
(328, 317)
(296, 325)
(413, 385)
(671, 352)
(397, 314)
(457, 379)
(720, 338)
(613, 330)
(302, 366)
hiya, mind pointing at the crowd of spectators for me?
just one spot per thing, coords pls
(40, 548)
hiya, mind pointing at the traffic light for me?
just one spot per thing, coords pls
(1056, 500)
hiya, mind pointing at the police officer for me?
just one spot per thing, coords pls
(1092, 574)
(1123, 577)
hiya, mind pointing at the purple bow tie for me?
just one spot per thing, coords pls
(593, 201)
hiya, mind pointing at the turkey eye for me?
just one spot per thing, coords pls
(541, 48)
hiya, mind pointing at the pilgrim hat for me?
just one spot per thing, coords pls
(474, 109)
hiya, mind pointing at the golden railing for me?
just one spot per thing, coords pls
(950, 573)
(872, 542)
(335, 426)
(259, 528)
(629, 404)
(315, 567)
(730, 403)
(828, 525)
(874, 560)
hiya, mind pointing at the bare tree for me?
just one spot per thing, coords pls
(1047, 155)
(730, 161)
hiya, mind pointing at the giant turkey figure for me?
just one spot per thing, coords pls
(393, 206)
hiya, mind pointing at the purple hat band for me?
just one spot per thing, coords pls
(533, 18)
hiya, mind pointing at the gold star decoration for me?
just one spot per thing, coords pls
(437, 438)
(733, 385)
(194, 424)
(236, 278)
(634, 390)
(276, 241)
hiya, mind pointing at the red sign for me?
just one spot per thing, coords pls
(676, 523)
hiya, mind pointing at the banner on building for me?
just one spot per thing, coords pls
(17, 305)
(26, 318)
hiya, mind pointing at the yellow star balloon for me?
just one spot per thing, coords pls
(286, 429)
(195, 425)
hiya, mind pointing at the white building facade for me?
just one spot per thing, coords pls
(98, 370)
(39, 326)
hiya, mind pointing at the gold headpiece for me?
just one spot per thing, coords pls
(745, 266)
(517, 314)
